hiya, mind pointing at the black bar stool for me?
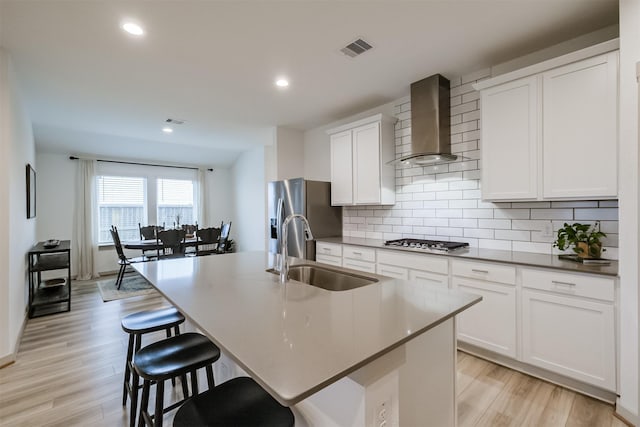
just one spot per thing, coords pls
(170, 358)
(237, 402)
(136, 325)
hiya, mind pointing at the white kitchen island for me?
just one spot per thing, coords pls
(379, 355)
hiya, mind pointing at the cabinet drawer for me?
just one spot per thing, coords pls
(391, 271)
(328, 249)
(489, 272)
(434, 264)
(601, 288)
(367, 267)
(329, 259)
(429, 278)
(359, 253)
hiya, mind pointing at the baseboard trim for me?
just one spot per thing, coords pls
(11, 358)
(570, 383)
(626, 416)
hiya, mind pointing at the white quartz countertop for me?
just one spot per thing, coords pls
(295, 339)
(510, 257)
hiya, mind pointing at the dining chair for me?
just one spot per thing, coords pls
(123, 260)
(207, 241)
(173, 243)
(148, 232)
(223, 240)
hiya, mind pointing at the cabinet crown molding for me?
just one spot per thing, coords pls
(371, 119)
(549, 64)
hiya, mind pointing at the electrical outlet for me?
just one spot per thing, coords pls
(548, 229)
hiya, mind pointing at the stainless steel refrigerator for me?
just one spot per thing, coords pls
(309, 198)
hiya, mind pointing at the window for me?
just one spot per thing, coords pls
(121, 202)
(175, 202)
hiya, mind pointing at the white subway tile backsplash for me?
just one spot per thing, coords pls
(463, 185)
(449, 213)
(480, 233)
(443, 201)
(437, 222)
(464, 204)
(503, 224)
(465, 166)
(513, 235)
(449, 195)
(542, 248)
(463, 222)
(511, 213)
(532, 225)
(449, 231)
(551, 213)
(478, 213)
(424, 230)
(597, 214)
(412, 221)
(586, 204)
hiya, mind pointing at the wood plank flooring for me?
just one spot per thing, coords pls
(69, 373)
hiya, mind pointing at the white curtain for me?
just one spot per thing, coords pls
(203, 221)
(85, 235)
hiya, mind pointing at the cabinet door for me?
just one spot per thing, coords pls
(569, 336)
(366, 164)
(490, 324)
(341, 169)
(510, 141)
(580, 129)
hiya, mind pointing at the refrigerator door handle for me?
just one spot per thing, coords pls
(279, 219)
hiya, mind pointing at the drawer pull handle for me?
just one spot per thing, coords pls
(326, 249)
(480, 271)
(556, 282)
(357, 253)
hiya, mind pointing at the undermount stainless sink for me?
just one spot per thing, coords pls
(326, 278)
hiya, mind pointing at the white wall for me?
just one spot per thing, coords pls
(628, 404)
(249, 200)
(17, 233)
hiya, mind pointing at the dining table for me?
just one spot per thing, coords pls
(153, 244)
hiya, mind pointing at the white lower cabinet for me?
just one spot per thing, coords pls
(566, 333)
(416, 267)
(490, 324)
(392, 271)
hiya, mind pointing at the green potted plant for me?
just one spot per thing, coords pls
(584, 238)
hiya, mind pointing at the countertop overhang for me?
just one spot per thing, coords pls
(529, 259)
(295, 339)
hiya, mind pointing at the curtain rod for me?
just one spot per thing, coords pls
(141, 164)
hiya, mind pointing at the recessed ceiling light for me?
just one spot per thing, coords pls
(167, 130)
(133, 28)
(282, 82)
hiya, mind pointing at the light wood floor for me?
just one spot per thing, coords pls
(69, 373)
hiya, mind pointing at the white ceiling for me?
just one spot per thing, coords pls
(90, 88)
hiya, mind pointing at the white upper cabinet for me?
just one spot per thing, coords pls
(580, 132)
(360, 151)
(550, 131)
(510, 141)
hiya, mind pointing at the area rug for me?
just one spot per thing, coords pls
(133, 285)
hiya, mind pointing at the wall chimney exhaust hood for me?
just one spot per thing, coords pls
(430, 123)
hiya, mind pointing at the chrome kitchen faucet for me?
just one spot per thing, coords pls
(284, 263)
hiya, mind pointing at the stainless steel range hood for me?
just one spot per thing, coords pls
(430, 123)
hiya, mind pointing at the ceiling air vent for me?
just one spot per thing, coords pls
(356, 48)
(175, 121)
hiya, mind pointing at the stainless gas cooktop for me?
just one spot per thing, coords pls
(439, 245)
